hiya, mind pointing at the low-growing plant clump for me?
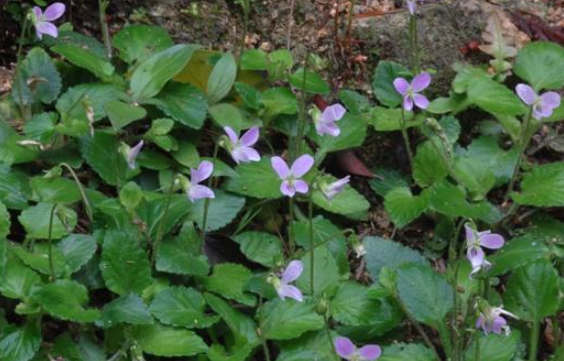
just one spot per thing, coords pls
(168, 201)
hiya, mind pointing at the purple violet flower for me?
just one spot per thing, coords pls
(289, 275)
(347, 350)
(291, 182)
(410, 91)
(193, 188)
(411, 6)
(333, 189)
(475, 241)
(325, 122)
(42, 20)
(492, 321)
(132, 153)
(543, 105)
(240, 148)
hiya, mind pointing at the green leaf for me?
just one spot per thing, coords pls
(101, 152)
(485, 151)
(381, 253)
(152, 212)
(250, 95)
(176, 256)
(20, 344)
(36, 221)
(494, 347)
(38, 258)
(136, 43)
(353, 133)
(279, 101)
(493, 97)
(260, 247)
(5, 222)
(541, 64)
(426, 294)
(403, 206)
(355, 102)
(222, 78)
(383, 83)
(11, 150)
(14, 188)
(517, 253)
(16, 278)
(310, 346)
(429, 166)
(167, 341)
(542, 186)
(242, 326)
(86, 59)
(230, 280)
(309, 81)
(127, 309)
(55, 190)
(184, 103)
(152, 75)
(254, 59)
(64, 299)
(124, 265)
(84, 349)
(411, 352)
(122, 114)
(239, 353)
(251, 174)
(181, 307)
(532, 291)
(349, 202)
(389, 120)
(224, 114)
(325, 272)
(37, 79)
(77, 249)
(286, 320)
(472, 175)
(222, 210)
(130, 196)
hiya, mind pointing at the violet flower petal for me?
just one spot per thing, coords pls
(498, 324)
(344, 347)
(37, 12)
(233, 137)
(491, 240)
(481, 323)
(477, 258)
(54, 11)
(292, 272)
(245, 154)
(420, 82)
(470, 236)
(280, 167)
(370, 352)
(302, 165)
(133, 153)
(550, 100)
(43, 27)
(421, 101)
(333, 113)
(198, 192)
(408, 103)
(401, 85)
(204, 171)
(287, 189)
(411, 6)
(290, 292)
(526, 93)
(301, 186)
(250, 137)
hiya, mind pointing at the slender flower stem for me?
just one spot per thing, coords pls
(526, 135)
(87, 206)
(102, 7)
(290, 25)
(265, 349)
(477, 349)
(454, 260)
(159, 235)
(414, 39)
(291, 226)
(330, 338)
(297, 141)
(446, 339)
(406, 137)
(311, 244)
(534, 343)
(18, 65)
(50, 245)
(245, 4)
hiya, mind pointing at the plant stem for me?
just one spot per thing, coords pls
(50, 245)
(446, 339)
(329, 337)
(414, 39)
(297, 141)
(418, 327)
(526, 135)
(453, 259)
(159, 235)
(17, 75)
(311, 244)
(406, 137)
(87, 206)
(245, 4)
(290, 24)
(291, 226)
(102, 7)
(534, 343)
(477, 349)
